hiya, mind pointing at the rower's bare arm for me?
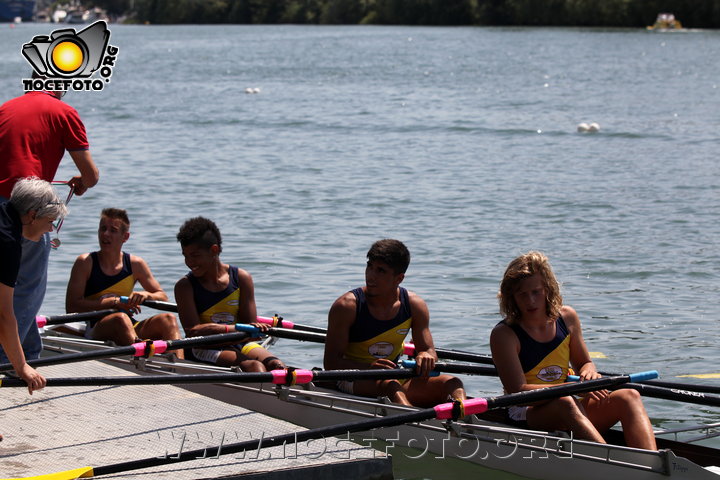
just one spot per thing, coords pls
(579, 355)
(340, 319)
(89, 173)
(247, 309)
(151, 287)
(425, 354)
(75, 300)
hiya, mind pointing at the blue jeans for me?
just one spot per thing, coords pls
(29, 294)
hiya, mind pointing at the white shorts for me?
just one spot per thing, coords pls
(519, 414)
(345, 386)
(211, 355)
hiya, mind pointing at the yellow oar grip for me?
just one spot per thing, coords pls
(84, 472)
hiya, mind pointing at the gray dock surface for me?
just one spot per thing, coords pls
(63, 428)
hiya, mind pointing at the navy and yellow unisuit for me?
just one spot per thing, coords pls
(370, 338)
(100, 285)
(545, 363)
(217, 307)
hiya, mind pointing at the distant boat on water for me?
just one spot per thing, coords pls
(665, 22)
(11, 10)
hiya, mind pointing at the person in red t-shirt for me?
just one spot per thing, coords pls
(35, 131)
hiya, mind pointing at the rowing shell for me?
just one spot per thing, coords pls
(470, 445)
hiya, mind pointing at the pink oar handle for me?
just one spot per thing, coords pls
(409, 349)
(156, 347)
(276, 322)
(467, 407)
(297, 377)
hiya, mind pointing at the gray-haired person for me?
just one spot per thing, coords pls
(29, 214)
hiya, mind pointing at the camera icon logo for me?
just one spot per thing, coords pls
(68, 54)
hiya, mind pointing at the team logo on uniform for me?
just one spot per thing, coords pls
(381, 349)
(402, 331)
(67, 60)
(550, 374)
(223, 317)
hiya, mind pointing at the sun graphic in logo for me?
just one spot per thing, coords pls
(67, 56)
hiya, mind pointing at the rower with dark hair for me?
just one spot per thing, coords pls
(367, 327)
(214, 296)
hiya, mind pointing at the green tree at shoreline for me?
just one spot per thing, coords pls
(596, 13)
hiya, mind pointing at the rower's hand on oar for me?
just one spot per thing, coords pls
(261, 326)
(383, 363)
(132, 302)
(34, 380)
(425, 364)
(588, 372)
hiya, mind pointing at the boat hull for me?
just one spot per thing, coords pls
(475, 443)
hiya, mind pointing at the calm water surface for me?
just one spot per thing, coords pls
(461, 142)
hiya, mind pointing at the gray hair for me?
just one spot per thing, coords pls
(33, 193)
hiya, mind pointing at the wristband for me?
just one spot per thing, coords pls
(227, 328)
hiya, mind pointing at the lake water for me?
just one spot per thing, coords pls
(461, 142)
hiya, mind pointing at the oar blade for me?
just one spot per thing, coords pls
(83, 472)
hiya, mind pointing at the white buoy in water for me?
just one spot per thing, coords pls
(583, 127)
(593, 127)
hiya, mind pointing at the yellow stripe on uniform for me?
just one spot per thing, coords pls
(84, 472)
(248, 347)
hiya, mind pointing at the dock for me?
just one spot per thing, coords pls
(65, 428)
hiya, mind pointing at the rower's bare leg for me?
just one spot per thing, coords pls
(162, 326)
(385, 388)
(625, 406)
(431, 391)
(563, 414)
(116, 327)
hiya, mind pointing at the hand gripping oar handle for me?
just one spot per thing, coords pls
(447, 354)
(147, 349)
(254, 332)
(444, 411)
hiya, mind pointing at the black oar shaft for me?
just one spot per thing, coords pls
(365, 425)
(693, 387)
(75, 317)
(250, 445)
(241, 377)
(665, 393)
(133, 349)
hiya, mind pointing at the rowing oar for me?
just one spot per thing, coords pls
(139, 349)
(287, 377)
(274, 321)
(487, 359)
(444, 411)
(456, 368)
(647, 390)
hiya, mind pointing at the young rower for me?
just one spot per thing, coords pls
(534, 346)
(214, 296)
(367, 327)
(99, 279)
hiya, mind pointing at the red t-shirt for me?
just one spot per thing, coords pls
(35, 130)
